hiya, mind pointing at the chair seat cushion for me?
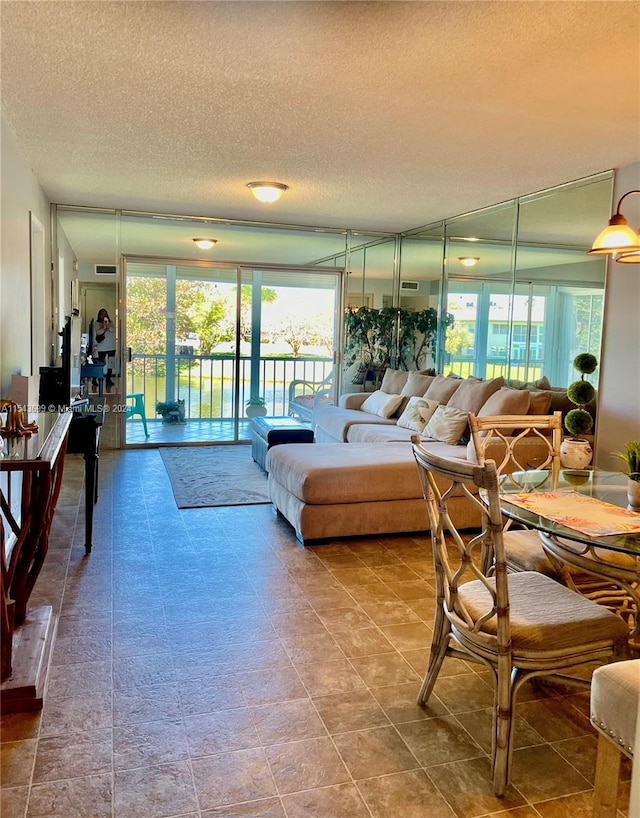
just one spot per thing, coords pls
(615, 694)
(545, 616)
(524, 552)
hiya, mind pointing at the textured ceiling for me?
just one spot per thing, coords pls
(377, 115)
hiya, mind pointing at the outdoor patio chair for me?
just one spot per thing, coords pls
(520, 625)
(304, 396)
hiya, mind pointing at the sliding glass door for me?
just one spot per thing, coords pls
(203, 340)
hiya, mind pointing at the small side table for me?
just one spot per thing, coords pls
(271, 431)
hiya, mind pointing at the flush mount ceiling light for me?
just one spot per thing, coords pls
(618, 240)
(267, 191)
(468, 261)
(205, 244)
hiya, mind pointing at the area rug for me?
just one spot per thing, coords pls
(203, 476)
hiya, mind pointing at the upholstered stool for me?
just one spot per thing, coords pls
(615, 693)
(137, 408)
(273, 431)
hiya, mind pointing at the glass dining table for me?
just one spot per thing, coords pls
(587, 532)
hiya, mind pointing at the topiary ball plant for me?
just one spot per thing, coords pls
(578, 421)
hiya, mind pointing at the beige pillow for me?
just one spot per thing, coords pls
(441, 388)
(417, 413)
(539, 402)
(394, 381)
(471, 395)
(447, 424)
(506, 401)
(381, 404)
(417, 384)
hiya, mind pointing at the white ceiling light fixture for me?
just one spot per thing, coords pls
(267, 191)
(205, 244)
(468, 261)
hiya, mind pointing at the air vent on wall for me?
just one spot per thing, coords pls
(105, 269)
(410, 285)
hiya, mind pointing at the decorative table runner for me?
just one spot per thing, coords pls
(585, 514)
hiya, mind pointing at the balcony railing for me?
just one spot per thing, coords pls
(206, 383)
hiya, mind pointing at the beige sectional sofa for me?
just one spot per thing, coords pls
(360, 477)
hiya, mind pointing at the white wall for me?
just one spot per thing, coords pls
(619, 384)
(21, 194)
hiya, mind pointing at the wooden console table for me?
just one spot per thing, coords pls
(30, 479)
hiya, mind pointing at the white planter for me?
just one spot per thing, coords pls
(633, 495)
(253, 410)
(575, 453)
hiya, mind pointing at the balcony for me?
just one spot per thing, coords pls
(207, 385)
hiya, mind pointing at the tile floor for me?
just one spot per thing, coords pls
(208, 666)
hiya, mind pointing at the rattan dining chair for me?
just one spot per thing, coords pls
(520, 625)
(516, 448)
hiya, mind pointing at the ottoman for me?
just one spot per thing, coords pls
(272, 431)
(331, 490)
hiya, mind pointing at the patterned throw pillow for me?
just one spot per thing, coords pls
(356, 373)
(417, 413)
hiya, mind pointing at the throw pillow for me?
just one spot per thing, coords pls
(470, 395)
(394, 381)
(381, 404)
(417, 384)
(506, 401)
(441, 388)
(539, 402)
(417, 413)
(540, 383)
(447, 424)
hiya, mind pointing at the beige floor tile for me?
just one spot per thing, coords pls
(321, 600)
(276, 685)
(579, 805)
(353, 577)
(324, 647)
(80, 679)
(305, 765)
(384, 669)
(230, 778)
(344, 619)
(363, 642)
(329, 802)
(207, 696)
(555, 719)
(416, 589)
(155, 792)
(267, 808)
(374, 752)
(287, 721)
(411, 636)
(399, 702)
(13, 801)
(297, 622)
(149, 743)
(76, 714)
(73, 798)
(463, 693)
(74, 755)
(226, 730)
(354, 710)
(390, 612)
(146, 704)
(325, 678)
(466, 786)
(478, 723)
(371, 594)
(409, 795)
(439, 740)
(16, 762)
(399, 572)
(540, 773)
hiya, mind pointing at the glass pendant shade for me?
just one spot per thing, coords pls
(616, 238)
(630, 256)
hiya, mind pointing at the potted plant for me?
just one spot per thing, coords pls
(576, 451)
(255, 406)
(172, 411)
(631, 457)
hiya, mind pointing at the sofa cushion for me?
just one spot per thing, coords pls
(447, 424)
(381, 403)
(417, 384)
(471, 395)
(442, 388)
(417, 413)
(335, 421)
(393, 381)
(506, 401)
(377, 433)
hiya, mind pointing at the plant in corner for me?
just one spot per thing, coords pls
(631, 457)
(575, 451)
